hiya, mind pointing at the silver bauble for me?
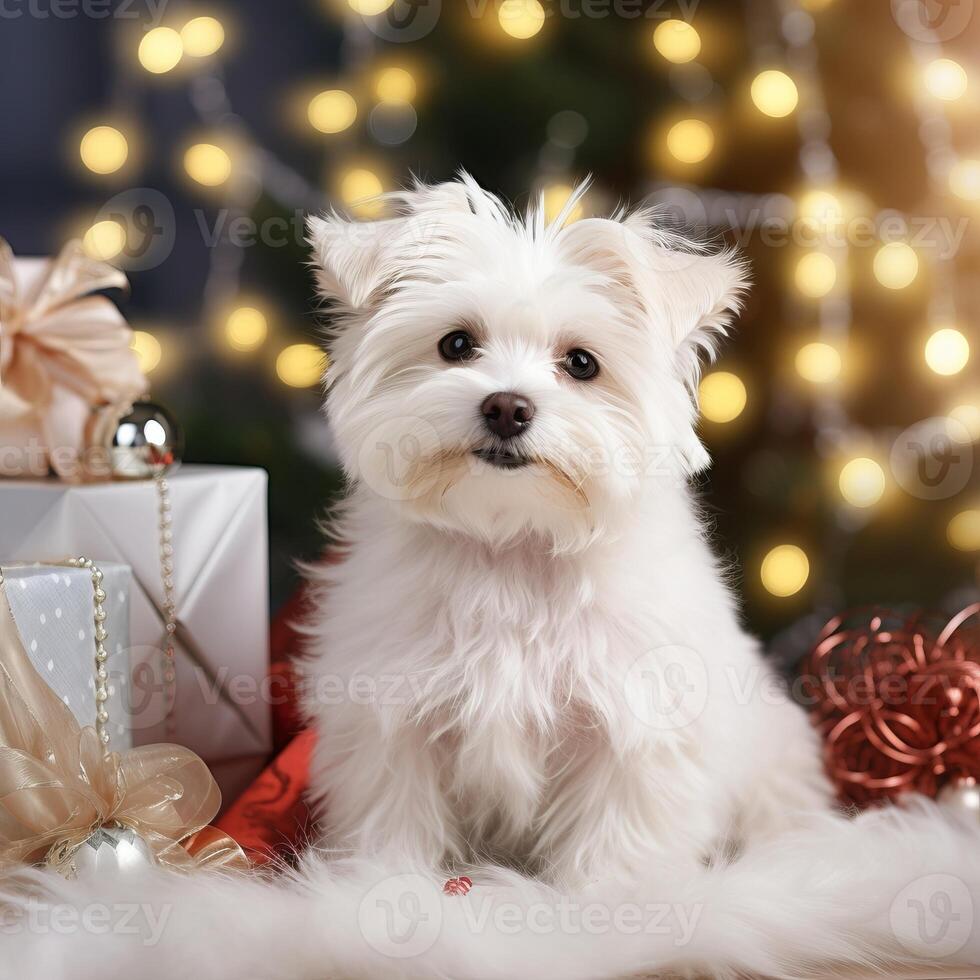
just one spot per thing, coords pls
(962, 796)
(136, 441)
(112, 849)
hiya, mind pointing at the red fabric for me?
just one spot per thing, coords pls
(286, 644)
(271, 819)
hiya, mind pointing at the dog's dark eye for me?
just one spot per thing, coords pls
(456, 346)
(581, 365)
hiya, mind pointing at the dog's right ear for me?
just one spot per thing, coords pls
(352, 259)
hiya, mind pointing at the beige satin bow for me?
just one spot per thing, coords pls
(56, 785)
(62, 351)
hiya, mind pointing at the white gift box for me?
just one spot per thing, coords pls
(220, 541)
(54, 611)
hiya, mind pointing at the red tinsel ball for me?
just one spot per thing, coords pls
(897, 702)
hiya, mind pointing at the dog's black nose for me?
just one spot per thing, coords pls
(506, 414)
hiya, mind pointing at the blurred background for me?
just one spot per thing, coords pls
(835, 140)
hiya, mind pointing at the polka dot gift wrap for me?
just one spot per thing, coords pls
(53, 610)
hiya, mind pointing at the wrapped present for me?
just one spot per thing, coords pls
(53, 611)
(63, 351)
(220, 557)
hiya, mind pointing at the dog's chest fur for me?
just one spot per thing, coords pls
(509, 665)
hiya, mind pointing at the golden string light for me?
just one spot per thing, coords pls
(103, 149)
(896, 265)
(774, 93)
(207, 164)
(677, 41)
(722, 396)
(819, 363)
(395, 86)
(521, 19)
(815, 275)
(160, 50)
(332, 111)
(945, 79)
(963, 531)
(862, 482)
(785, 570)
(202, 36)
(246, 328)
(966, 419)
(821, 210)
(104, 240)
(947, 351)
(964, 179)
(369, 8)
(555, 197)
(690, 141)
(301, 365)
(148, 350)
(359, 188)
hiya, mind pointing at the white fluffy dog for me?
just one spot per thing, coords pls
(528, 653)
(526, 656)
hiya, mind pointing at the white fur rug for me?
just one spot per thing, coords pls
(838, 896)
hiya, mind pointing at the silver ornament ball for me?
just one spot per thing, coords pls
(137, 441)
(112, 849)
(963, 795)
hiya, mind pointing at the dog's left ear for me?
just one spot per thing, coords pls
(688, 293)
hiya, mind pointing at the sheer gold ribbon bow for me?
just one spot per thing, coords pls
(62, 351)
(57, 786)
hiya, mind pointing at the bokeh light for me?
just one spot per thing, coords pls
(722, 396)
(966, 419)
(947, 351)
(815, 275)
(332, 111)
(359, 188)
(246, 328)
(395, 85)
(104, 240)
(369, 8)
(677, 41)
(555, 197)
(774, 93)
(964, 179)
(103, 149)
(821, 210)
(963, 531)
(301, 365)
(160, 50)
(896, 265)
(521, 19)
(785, 570)
(862, 482)
(149, 351)
(202, 36)
(207, 164)
(946, 79)
(818, 363)
(690, 140)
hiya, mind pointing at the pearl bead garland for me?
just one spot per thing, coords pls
(169, 603)
(101, 655)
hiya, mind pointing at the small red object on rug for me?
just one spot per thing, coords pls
(458, 886)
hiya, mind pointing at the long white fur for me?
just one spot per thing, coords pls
(543, 669)
(808, 903)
